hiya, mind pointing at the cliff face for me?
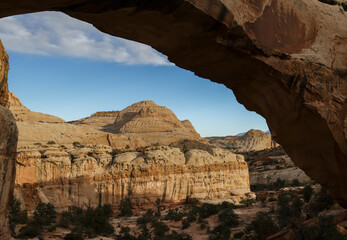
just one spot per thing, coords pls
(253, 140)
(90, 175)
(8, 146)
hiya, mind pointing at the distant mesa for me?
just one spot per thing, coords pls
(253, 140)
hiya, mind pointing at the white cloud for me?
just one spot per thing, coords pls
(53, 33)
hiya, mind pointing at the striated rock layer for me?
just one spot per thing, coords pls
(90, 175)
(154, 124)
(286, 60)
(253, 140)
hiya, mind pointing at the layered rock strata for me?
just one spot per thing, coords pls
(253, 140)
(66, 176)
(153, 123)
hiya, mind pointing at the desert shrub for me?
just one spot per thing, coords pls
(221, 232)
(126, 207)
(145, 234)
(96, 222)
(296, 207)
(127, 147)
(16, 216)
(279, 183)
(225, 204)
(228, 217)
(44, 214)
(160, 229)
(283, 210)
(295, 183)
(146, 218)
(76, 144)
(238, 235)
(207, 210)
(247, 202)
(125, 234)
(158, 207)
(77, 233)
(178, 236)
(263, 225)
(307, 192)
(325, 229)
(203, 224)
(114, 152)
(31, 230)
(321, 201)
(51, 142)
(175, 215)
(185, 223)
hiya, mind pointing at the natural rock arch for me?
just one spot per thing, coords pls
(286, 60)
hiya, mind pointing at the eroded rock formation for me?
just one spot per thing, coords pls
(253, 140)
(89, 175)
(153, 123)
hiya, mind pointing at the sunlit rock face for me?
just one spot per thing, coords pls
(90, 175)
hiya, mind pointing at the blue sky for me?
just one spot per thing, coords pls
(67, 68)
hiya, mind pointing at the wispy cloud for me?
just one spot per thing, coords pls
(53, 33)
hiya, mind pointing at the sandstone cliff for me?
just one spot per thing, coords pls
(23, 114)
(68, 176)
(253, 140)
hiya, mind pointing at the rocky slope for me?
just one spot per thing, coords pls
(66, 176)
(23, 114)
(153, 123)
(253, 140)
(268, 165)
(101, 120)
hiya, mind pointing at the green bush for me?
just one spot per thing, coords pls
(160, 229)
(207, 210)
(178, 236)
(77, 233)
(185, 223)
(51, 142)
(321, 201)
(175, 215)
(325, 229)
(126, 207)
(238, 235)
(228, 218)
(263, 225)
(16, 216)
(125, 234)
(221, 232)
(307, 192)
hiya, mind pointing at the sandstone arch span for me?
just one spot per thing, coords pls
(286, 60)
